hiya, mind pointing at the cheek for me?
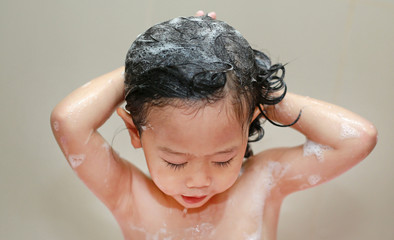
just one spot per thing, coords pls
(165, 181)
(225, 179)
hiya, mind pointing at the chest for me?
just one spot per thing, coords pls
(237, 218)
(246, 212)
(233, 226)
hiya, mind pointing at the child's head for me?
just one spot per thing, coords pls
(193, 87)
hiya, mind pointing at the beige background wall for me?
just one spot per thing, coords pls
(341, 51)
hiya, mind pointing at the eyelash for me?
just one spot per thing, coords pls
(176, 166)
(224, 164)
(182, 165)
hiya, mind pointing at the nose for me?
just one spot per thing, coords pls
(198, 179)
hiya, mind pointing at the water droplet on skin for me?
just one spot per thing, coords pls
(90, 134)
(184, 211)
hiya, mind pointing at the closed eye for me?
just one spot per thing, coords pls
(224, 164)
(175, 166)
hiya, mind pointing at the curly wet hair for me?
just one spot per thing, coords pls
(194, 60)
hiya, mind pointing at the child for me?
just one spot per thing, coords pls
(195, 94)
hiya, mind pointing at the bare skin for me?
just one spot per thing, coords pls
(234, 205)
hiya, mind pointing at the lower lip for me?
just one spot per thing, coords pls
(193, 200)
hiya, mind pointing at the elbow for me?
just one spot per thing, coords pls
(56, 118)
(360, 143)
(59, 117)
(367, 141)
(371, 137)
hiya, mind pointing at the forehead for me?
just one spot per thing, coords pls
(197, 130)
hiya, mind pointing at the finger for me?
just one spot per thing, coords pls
(200, 13)
(212, 15)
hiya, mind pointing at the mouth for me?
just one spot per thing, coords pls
(193, 199)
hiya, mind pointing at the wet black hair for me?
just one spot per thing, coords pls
(194, 60)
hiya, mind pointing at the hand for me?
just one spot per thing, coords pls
(201, 13)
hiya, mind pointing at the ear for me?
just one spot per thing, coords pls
(133, 131)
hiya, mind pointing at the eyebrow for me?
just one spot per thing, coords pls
(169, 150)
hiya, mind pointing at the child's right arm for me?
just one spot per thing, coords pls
(75, 121)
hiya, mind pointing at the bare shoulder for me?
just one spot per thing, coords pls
(138, 195)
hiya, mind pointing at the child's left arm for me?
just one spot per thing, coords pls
(337, 139)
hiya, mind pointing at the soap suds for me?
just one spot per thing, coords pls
(213, 45)
(202, 231)
(348, 131)
(144, 128)
(106, 146)
(277, 169)
(175, 21)
(312, 148)
(196, 19)
(270, 174)
(255, 236)
(151, 236)
(314, 179)
(56, 126)
(267, 177)
(76, 159)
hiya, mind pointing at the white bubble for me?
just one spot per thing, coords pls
(175, 21)
(149, 127)
(196, 19)
(277, 169)
(203, 229)
(314, 179)
(254, 236)
(348, 131)
(76, 159)
(312, 148)
(56, 126)
(106, 146)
